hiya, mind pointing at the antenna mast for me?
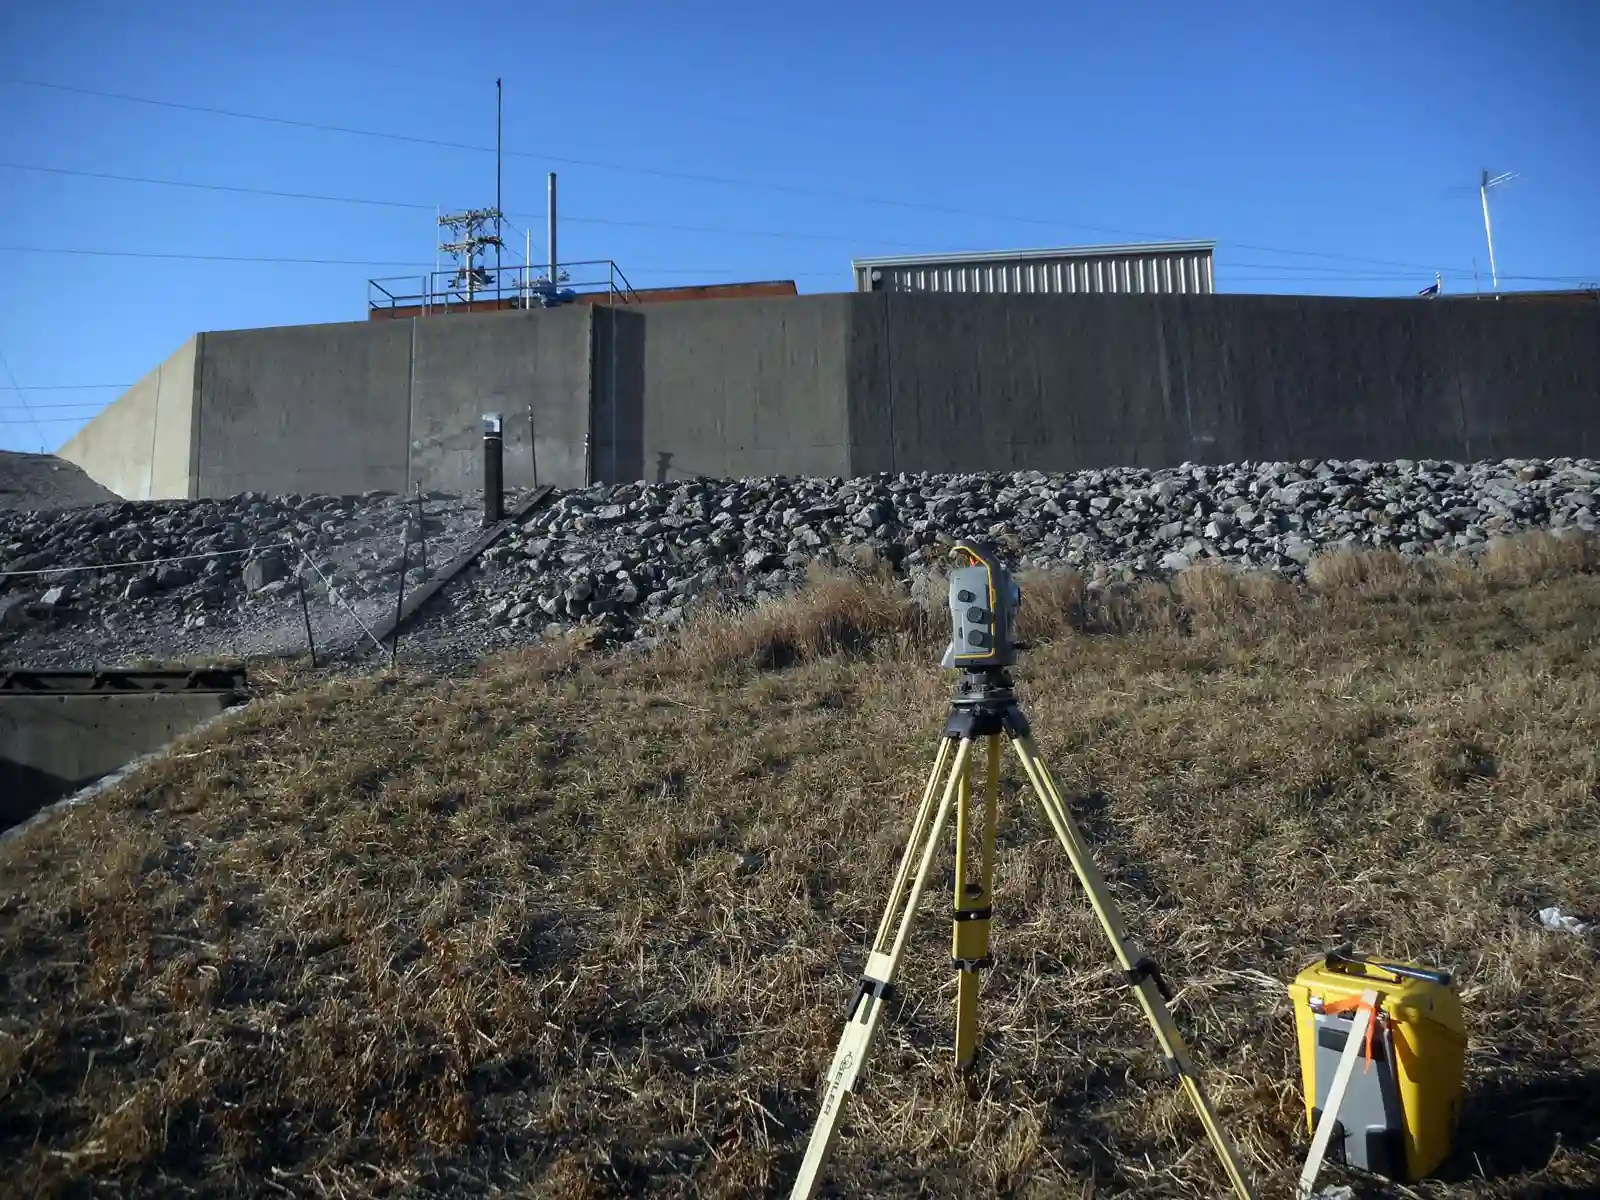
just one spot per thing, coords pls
(471, 229)
(499, 211)
(1483, 191)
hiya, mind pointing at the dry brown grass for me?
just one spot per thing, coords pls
(583, 925)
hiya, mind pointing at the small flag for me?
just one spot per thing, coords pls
(1431, 290)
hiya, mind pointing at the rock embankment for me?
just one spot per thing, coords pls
(39, 482)
(180, 579)
(633, 558)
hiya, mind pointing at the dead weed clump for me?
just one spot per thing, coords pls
(1516, 561)
(585, 924)
(839, 613)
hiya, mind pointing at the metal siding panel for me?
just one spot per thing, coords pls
(1157, 270)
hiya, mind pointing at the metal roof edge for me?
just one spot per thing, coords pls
(906, 260)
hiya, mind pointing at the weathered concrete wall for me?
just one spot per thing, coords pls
(1059, 383)
(532, 367)
(851, 384)
(50, 746)
(394, 404)
(305, 408)
(726, 389)
(141, 445)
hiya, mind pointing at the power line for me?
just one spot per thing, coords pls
(214, 187)
(63, 387)
(719, 230)
(765, 127)
(227, 258)
(96, 405)
(658, 172)
(236, 189)
(32, 420)
(349, 262)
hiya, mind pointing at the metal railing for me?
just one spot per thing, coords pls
(515, 285)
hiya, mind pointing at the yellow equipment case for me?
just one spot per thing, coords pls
(1399, 1114)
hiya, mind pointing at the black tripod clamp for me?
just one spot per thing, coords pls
(986, 703)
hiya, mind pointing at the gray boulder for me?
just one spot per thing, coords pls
(259, 572)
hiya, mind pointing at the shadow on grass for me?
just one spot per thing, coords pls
(1512, 1127)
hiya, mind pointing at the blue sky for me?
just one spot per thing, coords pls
(1331, 148)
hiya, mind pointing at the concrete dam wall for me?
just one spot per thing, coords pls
(850, 384)
(942, 382)
(351, 407)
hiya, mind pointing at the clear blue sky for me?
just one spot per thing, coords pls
(1354, 131)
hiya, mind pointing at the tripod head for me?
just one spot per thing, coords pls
(983, 608)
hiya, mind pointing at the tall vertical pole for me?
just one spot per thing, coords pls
(1483, 190)
(499, 129)
(551, 204)
(527, 267)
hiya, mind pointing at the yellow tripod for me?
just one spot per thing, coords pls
(986, 707)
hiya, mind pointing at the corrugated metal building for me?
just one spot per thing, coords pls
(1159, 267)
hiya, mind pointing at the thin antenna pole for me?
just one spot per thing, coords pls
(527, 270)
(499, 129)
(552, 230)
(1483, 191)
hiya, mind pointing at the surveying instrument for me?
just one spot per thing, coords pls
(983, 605)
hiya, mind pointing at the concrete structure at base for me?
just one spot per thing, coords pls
(143, 446)
(50, 746)
(850, 384)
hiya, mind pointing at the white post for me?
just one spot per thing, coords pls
(527, 267)
(1483, 191)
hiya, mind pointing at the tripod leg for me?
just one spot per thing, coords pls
(1140, 972)
(876, 985)
(970, 937)
(919, 826)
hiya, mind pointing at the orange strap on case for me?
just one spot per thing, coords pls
(1353, 1004)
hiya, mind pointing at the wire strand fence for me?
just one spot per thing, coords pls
(284, 621)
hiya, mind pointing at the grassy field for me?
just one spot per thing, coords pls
(584, 924)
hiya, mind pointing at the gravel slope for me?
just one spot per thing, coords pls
(633, 558)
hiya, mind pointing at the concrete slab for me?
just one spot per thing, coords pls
(52, 745)
(531, 367)
(729, 389)
(140, 445)
(305, 408)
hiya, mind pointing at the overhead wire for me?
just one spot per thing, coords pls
(689, 176)
(612, 222)
(225, 258)
(28, 408)
(58, 407)
(61, 387)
